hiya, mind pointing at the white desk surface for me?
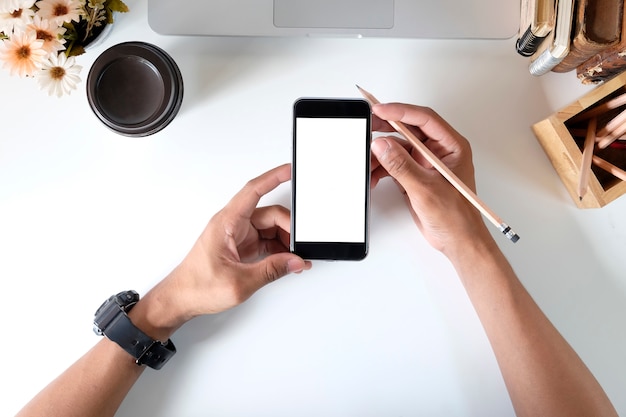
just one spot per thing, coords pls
(85, 213)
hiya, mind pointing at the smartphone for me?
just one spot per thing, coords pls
(330, 178)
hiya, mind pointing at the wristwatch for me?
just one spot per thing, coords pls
(111, 321)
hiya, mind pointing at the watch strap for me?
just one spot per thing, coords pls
(140, 346)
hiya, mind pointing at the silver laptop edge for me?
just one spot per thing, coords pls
(447, 19)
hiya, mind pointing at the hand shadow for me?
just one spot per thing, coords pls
(151, 395)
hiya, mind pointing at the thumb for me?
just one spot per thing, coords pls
(277, 266)
(397, 162)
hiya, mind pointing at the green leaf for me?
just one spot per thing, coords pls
(117, 6)
(70, 32)
(109, 16)
(75, 51)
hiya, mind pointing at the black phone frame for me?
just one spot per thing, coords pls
(331, 108)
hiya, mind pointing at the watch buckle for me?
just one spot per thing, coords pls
(148, 353)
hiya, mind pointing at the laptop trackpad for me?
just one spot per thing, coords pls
(350, 14)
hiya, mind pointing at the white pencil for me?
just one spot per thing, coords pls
(447, 173)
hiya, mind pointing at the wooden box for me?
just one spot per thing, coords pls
(562, 141)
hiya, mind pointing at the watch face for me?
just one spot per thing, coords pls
(111, 308)
(103, 305)
(106, 314)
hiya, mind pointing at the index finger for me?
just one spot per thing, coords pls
(246, 200)
(427, 120)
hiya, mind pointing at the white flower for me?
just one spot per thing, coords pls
(49, 33)
(15, 15)
(60, 11)
(10, 5)
(22, 54)
(59, 75)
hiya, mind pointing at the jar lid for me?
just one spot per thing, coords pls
(135, 88)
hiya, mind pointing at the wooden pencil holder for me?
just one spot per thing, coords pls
(560, 136)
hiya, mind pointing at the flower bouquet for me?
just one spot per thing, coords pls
(40, 39)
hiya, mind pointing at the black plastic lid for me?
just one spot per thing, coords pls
(135, 88)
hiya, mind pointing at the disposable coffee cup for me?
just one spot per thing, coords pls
(135, 88)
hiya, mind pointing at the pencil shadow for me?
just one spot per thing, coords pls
(495, 110)
(504, 140)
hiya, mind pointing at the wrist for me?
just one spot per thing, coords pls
(479, 261)
(156, 313)
(471, 249)
(112, 319)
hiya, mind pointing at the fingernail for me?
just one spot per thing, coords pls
(379, 147)
(295, 265)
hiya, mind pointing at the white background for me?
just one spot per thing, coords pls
(331, 179)
(85, 213)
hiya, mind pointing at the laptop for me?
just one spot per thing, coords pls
(447, 19)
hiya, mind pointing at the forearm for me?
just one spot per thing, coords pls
(553, 379)
(241, 249)
(95, 385)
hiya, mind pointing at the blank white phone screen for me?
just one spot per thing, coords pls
(331, 179)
